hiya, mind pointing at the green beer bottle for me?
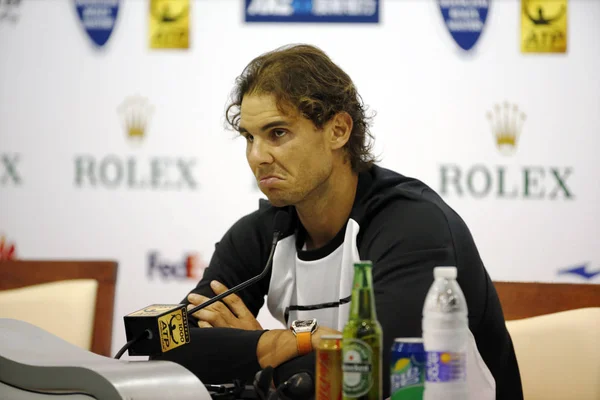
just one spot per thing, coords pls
(361, 346)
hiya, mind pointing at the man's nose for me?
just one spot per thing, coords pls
(260, 152)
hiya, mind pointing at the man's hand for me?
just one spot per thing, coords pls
(233, 315)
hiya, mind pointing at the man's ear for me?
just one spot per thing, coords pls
(340, 128)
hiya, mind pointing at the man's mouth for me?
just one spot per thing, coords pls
(269, 180)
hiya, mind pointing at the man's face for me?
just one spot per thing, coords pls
(288, 155)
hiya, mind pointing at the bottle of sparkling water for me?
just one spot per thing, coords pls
(445, 338)
(362, 341)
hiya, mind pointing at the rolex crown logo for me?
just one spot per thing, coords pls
(506, 121)
(135, 112)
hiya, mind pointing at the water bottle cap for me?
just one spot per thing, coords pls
(445, 272)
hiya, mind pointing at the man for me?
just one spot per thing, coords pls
(308, 145)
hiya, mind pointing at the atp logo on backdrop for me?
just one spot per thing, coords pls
(191, 266)
(9, 170)
(543, 26)
(327, 11)
(7, 249)
(169, 24)
(9, 11)
(465, 20)
(118, 171)
(98, 18)
(507, 181)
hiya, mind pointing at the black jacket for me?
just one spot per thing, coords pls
(406, 230)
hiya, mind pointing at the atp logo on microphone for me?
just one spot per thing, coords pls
(190, 267)
(174, 331)
(166, 327)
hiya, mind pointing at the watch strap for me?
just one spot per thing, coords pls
(304, 343)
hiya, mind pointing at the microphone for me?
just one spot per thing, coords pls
(159, 328)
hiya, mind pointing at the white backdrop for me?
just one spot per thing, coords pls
(59, 100)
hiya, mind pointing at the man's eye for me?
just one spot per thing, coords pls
(249, 137)
(279, 133)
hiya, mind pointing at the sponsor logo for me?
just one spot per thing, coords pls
(174, 331)
(506, 123)
(465, 20)
(543, 26)
(357, 365)
(172, 324)
(506, 181)
(9, 170)
(583, 271)
(98, 18)
(327, 11)
(9, 11)
(169, 24)
(7, 249)
(135, 112)
(113, 171)
(445, 367)
(190, 267)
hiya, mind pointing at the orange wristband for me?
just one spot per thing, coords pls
(303, 341)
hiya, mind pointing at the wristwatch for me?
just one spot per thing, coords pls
(303, 329)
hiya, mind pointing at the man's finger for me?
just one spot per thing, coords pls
(204, 324)
(196, 299)
(217, 308)
(189, 307)
(218, 287)
(196, 314)
(233, 301)
(199, 315)
(212, 317)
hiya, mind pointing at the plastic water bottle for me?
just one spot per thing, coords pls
(445, 338)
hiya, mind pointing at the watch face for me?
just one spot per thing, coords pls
(304, 324)
(308, 325)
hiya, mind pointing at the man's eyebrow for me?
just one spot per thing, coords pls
(268, 126)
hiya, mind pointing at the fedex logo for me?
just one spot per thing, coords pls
(7, 249)
(190, 266)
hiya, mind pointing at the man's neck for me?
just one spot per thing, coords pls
(327, 212)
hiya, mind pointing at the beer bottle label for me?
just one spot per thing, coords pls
(357, 367)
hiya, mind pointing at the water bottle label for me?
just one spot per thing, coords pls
(445, 367)
(357, 366)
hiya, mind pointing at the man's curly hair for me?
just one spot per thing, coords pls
(304, 77)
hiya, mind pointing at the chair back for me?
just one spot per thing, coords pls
(72, 299)
(529, 299)
(559, 354)
(555, 329)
